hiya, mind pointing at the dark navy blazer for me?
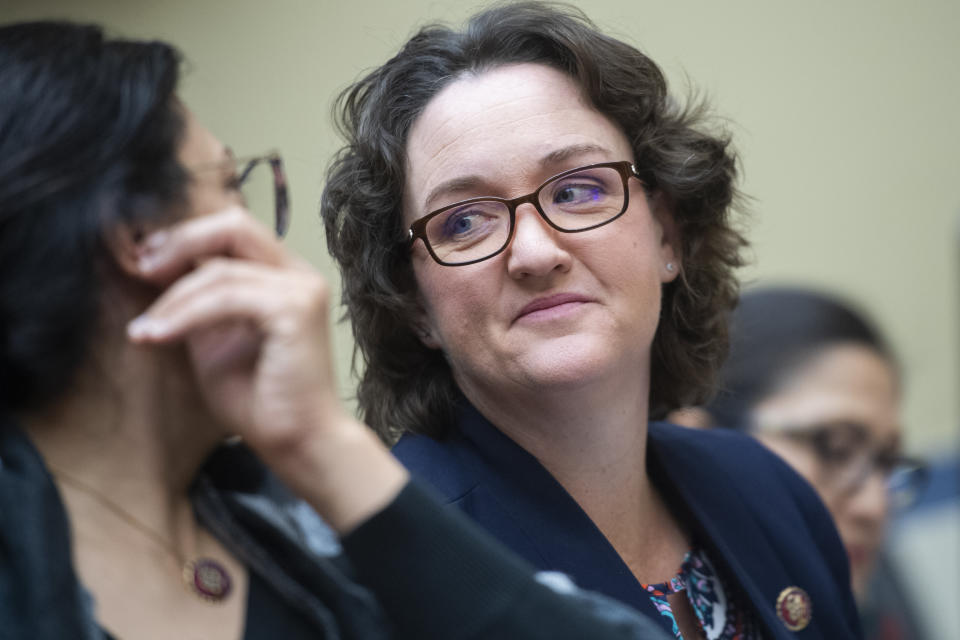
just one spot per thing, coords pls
(758, 520)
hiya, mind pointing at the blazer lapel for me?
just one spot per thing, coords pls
(518, 501)
(725, 526)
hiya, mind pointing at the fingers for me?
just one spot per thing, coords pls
(168, 254)
(222, 290)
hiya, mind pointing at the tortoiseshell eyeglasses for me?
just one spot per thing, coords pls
(577, 200)
(257, 189)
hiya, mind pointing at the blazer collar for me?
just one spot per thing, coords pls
(560, 536)
(721, 520)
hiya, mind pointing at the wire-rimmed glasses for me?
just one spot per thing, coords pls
(848, 459)
(577, 200)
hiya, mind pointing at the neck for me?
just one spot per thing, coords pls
(593, 441)
(594, 430)
(589, 438)
(135, 439)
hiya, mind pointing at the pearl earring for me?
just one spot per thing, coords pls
(670, 267)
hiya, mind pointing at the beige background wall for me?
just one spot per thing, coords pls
(847, 116)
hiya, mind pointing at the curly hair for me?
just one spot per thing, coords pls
(405, 386)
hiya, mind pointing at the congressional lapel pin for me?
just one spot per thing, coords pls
(794, 608)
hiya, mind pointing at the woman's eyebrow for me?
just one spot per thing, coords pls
(565, 153)
(453, 185)
(472, 182)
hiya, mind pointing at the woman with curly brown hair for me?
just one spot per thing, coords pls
(537, 250)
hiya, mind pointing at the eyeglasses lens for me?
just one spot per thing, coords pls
(904, 480)
(584, 199)
(470, 231)
(905, 483)
(478, 229)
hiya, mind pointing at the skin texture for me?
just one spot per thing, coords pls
(844, 383)
(508, 130)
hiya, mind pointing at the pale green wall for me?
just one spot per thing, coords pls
(846, 115)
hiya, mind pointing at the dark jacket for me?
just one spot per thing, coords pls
(411, 571)
(757, 519)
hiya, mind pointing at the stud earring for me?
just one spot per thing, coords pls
(670, 267)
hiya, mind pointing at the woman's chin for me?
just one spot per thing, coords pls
(572, 367)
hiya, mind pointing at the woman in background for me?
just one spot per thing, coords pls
(145, 319)
(814, 381)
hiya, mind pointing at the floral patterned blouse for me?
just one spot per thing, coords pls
(722, 615)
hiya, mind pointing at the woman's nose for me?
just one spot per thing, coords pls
(537, 249)
(870, 502)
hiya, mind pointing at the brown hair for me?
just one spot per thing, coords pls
(408, 387)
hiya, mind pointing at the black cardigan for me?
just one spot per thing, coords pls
(414, 570)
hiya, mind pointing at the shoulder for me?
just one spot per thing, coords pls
(758, 509)
(745, 465)
(450, 466)
(723, 464)
(417, 450)
(724, 446)
(40, 594)
(236, 490)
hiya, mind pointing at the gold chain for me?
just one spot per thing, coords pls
(120, 512)
(205, 578)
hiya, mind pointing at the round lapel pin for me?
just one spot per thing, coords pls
(794, 608)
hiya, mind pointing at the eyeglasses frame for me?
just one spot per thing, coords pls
(281, 197)
(418, 229)
(809, 435)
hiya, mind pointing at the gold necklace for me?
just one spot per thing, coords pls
(204, 577)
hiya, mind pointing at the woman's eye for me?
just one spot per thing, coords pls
(836, 453)
(234, 182)
(836, 446)
(578, 194)
(459, 224)
(464, 223)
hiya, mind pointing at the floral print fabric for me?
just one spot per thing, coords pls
(718, 612)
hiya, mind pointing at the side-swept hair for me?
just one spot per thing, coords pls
(405, 386)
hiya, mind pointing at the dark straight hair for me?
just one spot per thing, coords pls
(775, 332)
(89, 133)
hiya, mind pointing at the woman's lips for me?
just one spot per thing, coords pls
(551, 305)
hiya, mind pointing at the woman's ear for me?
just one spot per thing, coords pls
(671, 246)
(425, 331)
(423, 326)
(123, 241)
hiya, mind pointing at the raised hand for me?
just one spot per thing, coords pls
(254, 318)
